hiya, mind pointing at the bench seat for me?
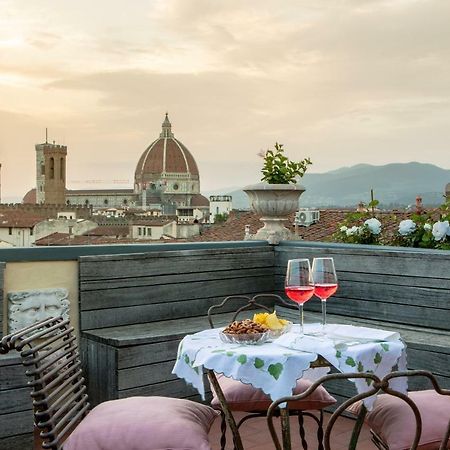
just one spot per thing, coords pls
(138, 359)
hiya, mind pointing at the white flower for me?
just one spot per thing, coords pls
(351, 231)
(343, 228)
(440, 229)
(406, 227)
(374, 225)
(427, 227)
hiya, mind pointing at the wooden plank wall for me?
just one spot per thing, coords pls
(403, 290)
(2, 283)
(140, 288)
(16, 417)
(395, 286)
(138, 370)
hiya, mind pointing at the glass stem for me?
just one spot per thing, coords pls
(324, 314)
(300, 309)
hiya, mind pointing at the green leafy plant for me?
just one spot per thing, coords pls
(279, 169)
(220, 217)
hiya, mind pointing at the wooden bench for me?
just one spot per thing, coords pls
(135, 309)
(404, 290)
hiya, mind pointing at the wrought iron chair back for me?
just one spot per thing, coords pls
(251, 304)
(377, 386)
(50, 355)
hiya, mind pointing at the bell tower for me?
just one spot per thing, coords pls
(50, 173)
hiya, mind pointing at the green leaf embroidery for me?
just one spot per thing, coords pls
(350, 362)
(242, 359)
(196, 370)
(186, 359)
(258, 363)
(275, 370)
(369, 381)
(360, 367)
(219, 350)
(377, 359)
(230, 353)
(338, 354)
(385, 347)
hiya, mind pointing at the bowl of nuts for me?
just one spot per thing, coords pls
(245, 332)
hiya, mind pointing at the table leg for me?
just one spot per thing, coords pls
(357, 428)
(226, 410)
(285, 428)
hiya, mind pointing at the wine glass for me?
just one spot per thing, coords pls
(325, 283)
(299, 285)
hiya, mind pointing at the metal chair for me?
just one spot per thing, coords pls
(50, 355)
(378, 386)
(250, 304)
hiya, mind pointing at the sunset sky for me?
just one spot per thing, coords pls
(340, 81)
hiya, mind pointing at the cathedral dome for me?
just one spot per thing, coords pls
(165, 158)
(30, 197)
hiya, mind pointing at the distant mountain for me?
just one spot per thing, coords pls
(394, 185)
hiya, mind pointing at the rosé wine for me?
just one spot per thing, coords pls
(325, 290)
(300, 294)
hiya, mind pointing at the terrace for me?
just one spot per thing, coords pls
(131, 305)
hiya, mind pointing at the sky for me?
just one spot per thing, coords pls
(340, 81)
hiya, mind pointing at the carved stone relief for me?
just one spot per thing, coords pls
(28, 307)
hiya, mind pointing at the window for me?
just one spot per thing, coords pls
(175, 187)
(86, 202)
(149, 231)
(68, 202)
(31, 231)
(139, 231)
(10, 230)
(125, 201)
(105, 202)
(42, 169)
(52, 168)
(61, 169)
(144, 230)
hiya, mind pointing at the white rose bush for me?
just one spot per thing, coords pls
(420, 230)
(366, 233)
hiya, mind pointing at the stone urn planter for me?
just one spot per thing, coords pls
(274, 203)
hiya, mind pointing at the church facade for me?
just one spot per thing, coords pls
(166, 179)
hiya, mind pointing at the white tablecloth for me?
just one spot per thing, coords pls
(275, 366)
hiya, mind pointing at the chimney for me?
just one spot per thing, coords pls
(419, 206)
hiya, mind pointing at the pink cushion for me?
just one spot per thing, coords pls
(144, 423)
(393, 420)
(244, 397)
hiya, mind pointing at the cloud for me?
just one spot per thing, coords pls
(343, 82)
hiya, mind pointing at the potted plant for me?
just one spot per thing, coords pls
(277, 195)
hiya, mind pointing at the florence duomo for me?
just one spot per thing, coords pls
(166, 179)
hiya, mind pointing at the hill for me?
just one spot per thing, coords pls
(394, 185)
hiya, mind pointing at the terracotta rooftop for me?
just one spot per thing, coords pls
(18, 219)
(57, 239)
(234, 228)
(109, 230)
